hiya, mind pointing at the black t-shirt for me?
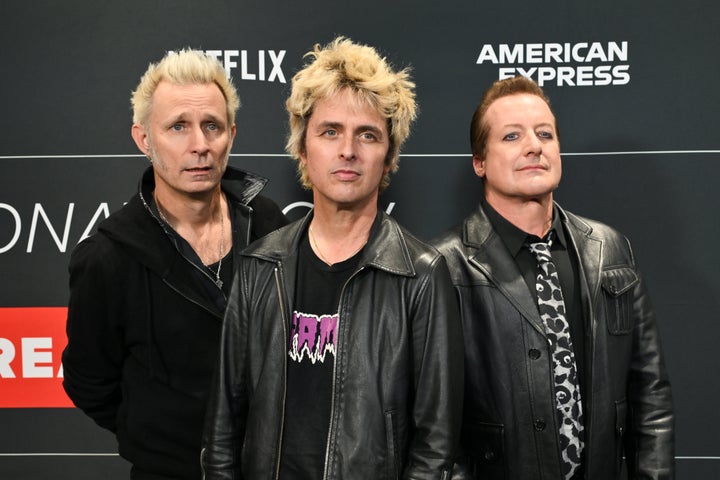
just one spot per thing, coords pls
(311, 360)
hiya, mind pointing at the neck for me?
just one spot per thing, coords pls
(335, 238)
(531, 216)
(203, 223)
(189, 210)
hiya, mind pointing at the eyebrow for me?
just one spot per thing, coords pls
(543, 124)
(215, 118)
(181, 118)
(360, 128)
(519, 126)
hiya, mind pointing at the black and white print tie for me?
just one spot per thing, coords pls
(567, 388)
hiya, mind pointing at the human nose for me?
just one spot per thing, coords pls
(533, 145)
(199, 143)
(348, 147)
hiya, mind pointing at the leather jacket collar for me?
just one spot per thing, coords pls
(386, 249)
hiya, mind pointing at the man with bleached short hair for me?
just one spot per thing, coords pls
(148, 290)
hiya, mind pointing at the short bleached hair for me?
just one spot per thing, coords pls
(184, 67)
(341, 65)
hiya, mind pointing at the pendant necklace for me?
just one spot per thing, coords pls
(217, 280)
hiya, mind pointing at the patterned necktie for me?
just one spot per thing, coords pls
(557, 329)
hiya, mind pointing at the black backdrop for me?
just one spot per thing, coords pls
(638, 132)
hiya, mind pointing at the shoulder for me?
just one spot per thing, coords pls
(267, 216)
(97, 255)
(421, 254)
(414, 244)
(449, 241)
(127, 220)
(265, 206)
(591, 227)
(277, 243)
(106, 247)
(615, 247)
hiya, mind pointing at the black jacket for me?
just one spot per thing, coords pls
(509, 426)
(143, 329)
(397, 391)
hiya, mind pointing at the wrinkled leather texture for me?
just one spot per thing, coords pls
(509, 425)
(397, 391)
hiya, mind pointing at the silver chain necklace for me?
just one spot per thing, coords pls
(313, 241)
(217, 280)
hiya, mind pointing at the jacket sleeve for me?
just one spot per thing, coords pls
(649, 443)
(438, 370)
(92, 359)
(227, 409)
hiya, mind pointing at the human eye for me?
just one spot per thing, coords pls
(368, 136)
(329, 132)
(545, 134)
(509, 137)
(177, 127)
(213, 127)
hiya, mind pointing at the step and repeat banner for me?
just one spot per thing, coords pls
(634, 86)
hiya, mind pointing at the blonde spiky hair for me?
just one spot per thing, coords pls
(343, 64)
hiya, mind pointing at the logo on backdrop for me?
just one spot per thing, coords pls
(581, 64)
(260, 65)
(31, 343)
(23, 232)
(40, 230)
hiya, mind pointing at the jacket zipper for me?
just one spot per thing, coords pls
(281, 301)
(337, 357)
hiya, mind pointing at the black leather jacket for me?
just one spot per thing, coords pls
(509, 426)
(397, 381)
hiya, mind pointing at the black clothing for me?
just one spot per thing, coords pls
(144, 326)
(565, 261)
(397, 383)
(313, 335)
(510, 423)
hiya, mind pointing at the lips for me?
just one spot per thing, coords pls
(532, 167)
(345, 174)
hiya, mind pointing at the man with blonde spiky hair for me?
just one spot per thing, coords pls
(341, 352)
(148, 291)
(372, 80)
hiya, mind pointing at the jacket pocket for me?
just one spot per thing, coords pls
(485, 443)
(393, 461)
(617, 284)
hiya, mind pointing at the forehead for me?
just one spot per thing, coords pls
(346, 108)
(172, 99)
(519, 109)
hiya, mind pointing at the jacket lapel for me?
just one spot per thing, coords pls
(493, 260)
(386, 249)
(588, 251)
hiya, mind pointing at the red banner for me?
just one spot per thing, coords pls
(31, 343)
